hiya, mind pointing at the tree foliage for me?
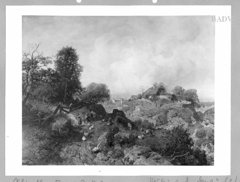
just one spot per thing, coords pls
(68, 73)
(161, 89)
(177, 146)
(191, 96)
(93, 93)
(45, 89)
(156, 90)
(178, 91)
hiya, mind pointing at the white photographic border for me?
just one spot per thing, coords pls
(13, 111)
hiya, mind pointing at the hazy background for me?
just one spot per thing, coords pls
(129, 54)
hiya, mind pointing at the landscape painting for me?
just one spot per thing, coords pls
(118, 90)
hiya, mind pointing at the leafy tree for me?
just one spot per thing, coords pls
(32, 65)
(161, 89)
(156, 90)
(191, 96)
(94, 93)
(68, 72)
(178, 91)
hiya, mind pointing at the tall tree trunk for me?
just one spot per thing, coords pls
(65, 93)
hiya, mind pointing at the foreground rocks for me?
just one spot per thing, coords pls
(94, 137)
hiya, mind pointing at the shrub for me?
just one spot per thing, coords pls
(94, 93)
(176, 145)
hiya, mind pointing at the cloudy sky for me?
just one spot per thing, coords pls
(129, 54)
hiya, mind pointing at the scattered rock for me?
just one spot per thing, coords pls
(91, 127)
(84, 138)
(147, 131)
(95, 150)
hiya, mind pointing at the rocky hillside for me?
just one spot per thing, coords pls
(138, 131)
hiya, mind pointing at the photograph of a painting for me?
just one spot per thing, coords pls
(118, 90)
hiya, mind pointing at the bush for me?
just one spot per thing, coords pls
(176, 145)
(94, 93)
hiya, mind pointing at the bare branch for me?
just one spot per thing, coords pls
(35, 50)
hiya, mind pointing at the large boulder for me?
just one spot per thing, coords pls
(119, 119)
(98, 109)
